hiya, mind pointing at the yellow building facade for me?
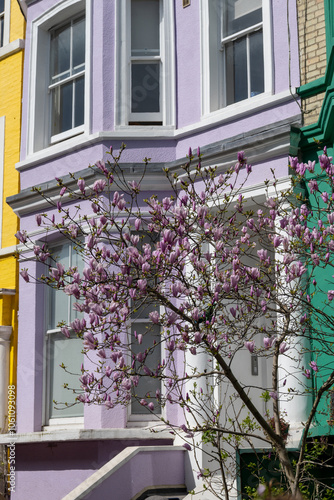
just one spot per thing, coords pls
(12, 28)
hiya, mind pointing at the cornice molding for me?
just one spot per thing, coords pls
(262, 144)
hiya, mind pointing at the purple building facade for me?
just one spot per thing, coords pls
(161, 78)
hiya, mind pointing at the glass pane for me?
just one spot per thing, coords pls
(1, 31)
(2, 5)
(61, 52)
(256, 63)
(240, 70)
(145, 88)
(79, 108)
(78, 58)
(62, 99)
(58, 300)
(241, 14)
(145, 22)
(236, 71)
(147, 385)
(68, 352)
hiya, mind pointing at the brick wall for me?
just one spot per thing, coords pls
(312, 51)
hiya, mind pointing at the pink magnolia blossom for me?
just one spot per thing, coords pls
(21, 236)
(154, 317)
(283, 348)
(314, 366)
(25, 275)
(269, 342)
(250, 345)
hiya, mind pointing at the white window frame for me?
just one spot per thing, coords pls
(39, 110)
(138, 419)
(5, 15)
(60, 421)
(206, 71)
(123, 115)
(73, 130)
(141, 419)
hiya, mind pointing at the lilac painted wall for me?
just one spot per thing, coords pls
(188, 64)
(30, 363)
(50, 471)
(283, 48)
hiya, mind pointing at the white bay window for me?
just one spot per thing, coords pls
(59, 97)
(141, 325)
(61, 350)
(242, 47)
(236, 44)
(67, 79)
(145, 63)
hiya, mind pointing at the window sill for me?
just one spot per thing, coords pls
(59, 424)
(11, 48)
(242, 108)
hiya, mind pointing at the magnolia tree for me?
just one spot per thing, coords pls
(180, 293)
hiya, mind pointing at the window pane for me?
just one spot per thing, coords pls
(61, 52)
(66, 351)
(256, 63)
(58, 300)
(1, 31)
(145, 88)
(145, 22)
(78, 62)
(79, 101)
(2, 5)
(62, 108)
(236, 71)
(241, 14)
(147, 385)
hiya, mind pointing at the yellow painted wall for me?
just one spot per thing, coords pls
(17, 24)
(11, 73)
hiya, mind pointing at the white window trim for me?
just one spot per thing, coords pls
(53, 422)
(205, 62)
(142, 419)
(2, 164)
(6, 23)
(123, 114)
(39, 123)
